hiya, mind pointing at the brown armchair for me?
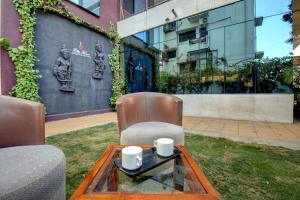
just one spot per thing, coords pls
(146, 116)
(28, 169)
(21, 122)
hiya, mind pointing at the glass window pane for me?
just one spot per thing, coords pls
(90, 5)
(244, 47)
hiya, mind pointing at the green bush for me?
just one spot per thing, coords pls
(4, 42)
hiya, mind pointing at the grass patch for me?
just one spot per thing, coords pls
(237, 170)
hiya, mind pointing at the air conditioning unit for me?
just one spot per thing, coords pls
(166, 47)
(170, 27)
(194, 19)
(194, 41)
(165, 57)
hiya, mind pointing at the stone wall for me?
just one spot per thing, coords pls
(52, 32)
(254, 107)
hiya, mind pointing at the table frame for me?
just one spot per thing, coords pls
(104, 160)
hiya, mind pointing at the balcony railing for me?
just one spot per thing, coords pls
(129, 8)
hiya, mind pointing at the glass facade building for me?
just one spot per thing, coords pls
(244, 47)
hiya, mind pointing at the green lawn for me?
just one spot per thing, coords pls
(237, 170)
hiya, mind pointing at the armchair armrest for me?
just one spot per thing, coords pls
(22, 122)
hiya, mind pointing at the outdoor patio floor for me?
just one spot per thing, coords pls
(276, 134)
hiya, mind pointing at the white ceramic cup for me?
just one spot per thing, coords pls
(132, 157)
(164, 146)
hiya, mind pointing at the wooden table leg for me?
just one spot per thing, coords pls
(178, 175)
(113, 180)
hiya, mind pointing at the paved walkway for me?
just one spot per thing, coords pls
(277, 134)
(72, 124)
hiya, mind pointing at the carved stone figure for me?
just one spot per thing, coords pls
(63, 70)
(99, 61)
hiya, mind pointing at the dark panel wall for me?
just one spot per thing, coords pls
(52, 32)
(110, 11)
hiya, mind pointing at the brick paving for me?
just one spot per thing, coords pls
(276, 134)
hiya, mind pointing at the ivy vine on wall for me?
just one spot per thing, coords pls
(24, 56)
(114, 61)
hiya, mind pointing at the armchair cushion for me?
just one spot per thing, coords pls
(147, 132)
(32, 172)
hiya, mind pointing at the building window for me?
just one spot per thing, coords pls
(203, 34)
(152, 3)
(188, 67)
(190, 35)
(134, 6)
(90, 5)
(171, 54)
(183, 67)
(193, 66)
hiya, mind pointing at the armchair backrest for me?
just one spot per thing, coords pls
(148, 106)
(21, 122)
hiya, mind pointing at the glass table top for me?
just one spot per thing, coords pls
(174, 176)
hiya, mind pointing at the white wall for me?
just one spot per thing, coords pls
(156, 16)
(254, 107)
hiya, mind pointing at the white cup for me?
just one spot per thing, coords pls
(132, 157)
(164, 146)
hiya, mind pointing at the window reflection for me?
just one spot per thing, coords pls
(239, 48)
(90, 5)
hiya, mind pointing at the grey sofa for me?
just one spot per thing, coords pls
(29, 170)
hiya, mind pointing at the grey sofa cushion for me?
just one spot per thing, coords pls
(147, 132)
(32, 172)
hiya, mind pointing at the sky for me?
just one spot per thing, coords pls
(273, 34)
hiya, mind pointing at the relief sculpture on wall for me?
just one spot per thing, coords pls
(63, 70)
(99, 61)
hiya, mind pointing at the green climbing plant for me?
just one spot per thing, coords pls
(114, 61)
(4, 42)
(24, 57)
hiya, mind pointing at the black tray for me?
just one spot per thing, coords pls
(150, 160)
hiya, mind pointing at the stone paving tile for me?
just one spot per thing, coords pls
(294, 130)
(218, 122)
(245, 122)
(214, 128)
(247, 132)
(267, 134)
(231, 132)
(231, 127)
(261, 125)
(231, 123)
(246, 129)
(288, 136)
(200, 126)
(276, 125)
(278, 134)
(71, 124)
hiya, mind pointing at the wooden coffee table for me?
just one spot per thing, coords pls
(180, 179)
